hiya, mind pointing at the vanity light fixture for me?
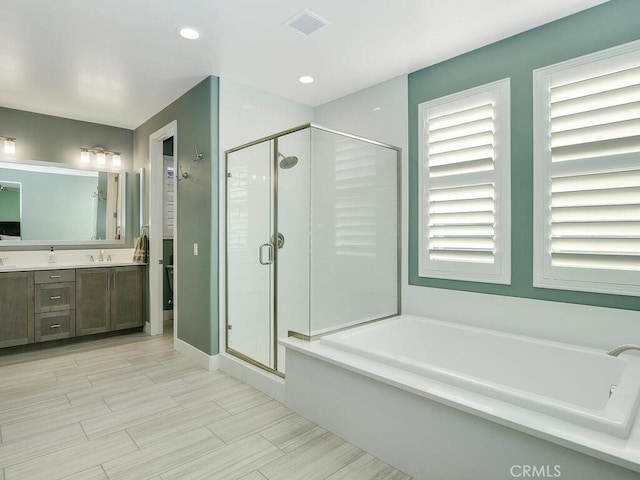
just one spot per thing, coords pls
(100, 156)
(9, 144)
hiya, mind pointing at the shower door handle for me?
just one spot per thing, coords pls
(269, 256)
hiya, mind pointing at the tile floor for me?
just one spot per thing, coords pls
(130, 407)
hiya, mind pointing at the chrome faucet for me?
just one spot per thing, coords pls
(618, 350)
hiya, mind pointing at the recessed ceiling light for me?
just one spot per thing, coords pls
(305, 79)
(189, 33)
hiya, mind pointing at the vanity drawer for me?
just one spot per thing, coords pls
(55, 297)
(55, 325)
(55, 276)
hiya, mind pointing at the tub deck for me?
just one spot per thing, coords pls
(551, 391)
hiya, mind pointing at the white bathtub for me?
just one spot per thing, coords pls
(423, 394)
(565, 381)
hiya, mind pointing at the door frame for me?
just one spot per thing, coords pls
(156, 228)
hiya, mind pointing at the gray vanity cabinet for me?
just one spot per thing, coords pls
(16, 308)
(93, 306)
(108, 299)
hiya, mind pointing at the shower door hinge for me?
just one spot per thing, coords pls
(228, 327)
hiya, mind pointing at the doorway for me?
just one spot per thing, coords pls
(162, 141)
(168, 227)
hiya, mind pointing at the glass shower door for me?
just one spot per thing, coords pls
(250, 254)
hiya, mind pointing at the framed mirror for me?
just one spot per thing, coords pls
(45, 203)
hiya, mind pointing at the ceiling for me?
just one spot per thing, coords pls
(118, 62)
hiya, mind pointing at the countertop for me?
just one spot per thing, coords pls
(65, 266)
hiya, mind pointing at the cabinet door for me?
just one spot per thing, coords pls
(126, 297)
(93, 309)
(16, 308)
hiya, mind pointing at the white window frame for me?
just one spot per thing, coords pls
(545, 274)
(499, 270)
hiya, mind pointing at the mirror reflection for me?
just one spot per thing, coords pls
(54, 203)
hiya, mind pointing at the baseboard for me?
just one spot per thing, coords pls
(210, 362)
(167, 315)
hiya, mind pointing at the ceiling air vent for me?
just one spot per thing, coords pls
(306, 22)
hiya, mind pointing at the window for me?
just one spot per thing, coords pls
(464, 200)
(587, 173)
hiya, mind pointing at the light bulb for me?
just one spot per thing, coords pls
(101, 158)
(116, 160)
(84, 156)
(9, 145)
(189, 33)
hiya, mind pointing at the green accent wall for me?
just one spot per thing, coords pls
(55, 139)
(196, 113)
(598, 28)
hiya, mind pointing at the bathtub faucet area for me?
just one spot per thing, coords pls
(623, 348)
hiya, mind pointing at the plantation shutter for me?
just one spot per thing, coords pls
(593, 172)
(464, 159)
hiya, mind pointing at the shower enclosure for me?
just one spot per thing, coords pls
(312, 238)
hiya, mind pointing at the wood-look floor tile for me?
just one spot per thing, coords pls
(141, 395)
(44, 423)
(210, 389)
(39, 391)
(113, 386)
(316, 459)
(92, 368)
(163, 456)
(368, 467)
(242, 400)
(290, 433)
(73, 459)
(94, 473)
(27, 363)
(227, 463)
(255, 475)
(173, 369)
(165, 426)
(111, 422)
(35, 446)
(250, 421)
(29, 410)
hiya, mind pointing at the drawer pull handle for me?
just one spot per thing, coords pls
(55, 325)
(55, 297)
(55, 276)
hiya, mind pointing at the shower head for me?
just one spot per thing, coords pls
(287, 162)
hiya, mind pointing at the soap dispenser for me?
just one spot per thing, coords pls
(52, 256)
